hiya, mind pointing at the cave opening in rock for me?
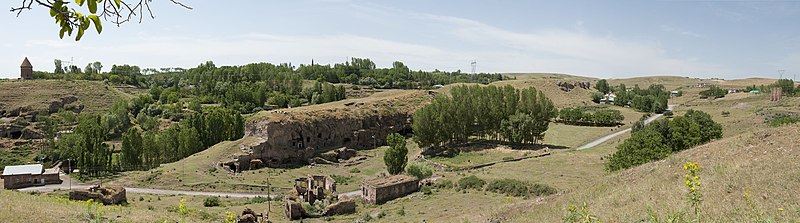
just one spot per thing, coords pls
(15, 134)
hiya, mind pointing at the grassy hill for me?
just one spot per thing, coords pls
(37, 94)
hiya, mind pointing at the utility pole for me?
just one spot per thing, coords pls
(780, 73)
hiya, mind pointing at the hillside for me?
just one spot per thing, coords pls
(757, 168)
(36, 95)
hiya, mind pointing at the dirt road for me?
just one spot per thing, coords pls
(612, 135)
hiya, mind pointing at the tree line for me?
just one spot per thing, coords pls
(247, 88)
(663, 137)
(499, 113)
(594, 117)
(144, 145)
(652, 99)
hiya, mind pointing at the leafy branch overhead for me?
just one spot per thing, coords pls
(69, 18)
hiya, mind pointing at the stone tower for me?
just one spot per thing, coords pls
(26, 70)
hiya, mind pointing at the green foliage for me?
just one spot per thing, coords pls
(395, 157)
(517, 188)
(583, 116)
(713, 93)
(471, 182)
(786, 85)
(782, 119)
(663, 137)
(653, 99)
(444, 184)
(132, 150)
(580, 214)
(419, 170)
(490, 112)
(426, 190)
(211, 202)
(341, 180)
(602, 86)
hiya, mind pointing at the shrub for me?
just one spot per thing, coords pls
(471, 182)
(355, 170)
(419, 170)
(444, 183)
(211, 202)
(343, 180)
(783, 120)
(517, 188)
(426, 190)
(258, 200)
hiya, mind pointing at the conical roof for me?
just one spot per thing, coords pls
(26, 63)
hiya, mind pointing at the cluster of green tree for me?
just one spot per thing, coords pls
(247, 88)
(198, 131)
(143, 144)
(653, 99)
(123, 74)
(663, 137)
(362, 71)
(713, 92)
(594, 117)
(500, 113)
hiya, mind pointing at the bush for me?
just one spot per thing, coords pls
(444, 184)
(663, 137)
(783, 120)
(343, 180)
(426, 190)
(471, 182)
(517, 188)
(258, 200)
(419, 170)
(211, 202)
(355, 170)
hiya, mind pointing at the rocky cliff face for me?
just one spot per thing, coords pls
(292, 137)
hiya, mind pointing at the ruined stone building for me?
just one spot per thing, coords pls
(21, 176)
(26, 70)
(381, 190)
(314, 187)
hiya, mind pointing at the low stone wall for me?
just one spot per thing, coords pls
(106, 195)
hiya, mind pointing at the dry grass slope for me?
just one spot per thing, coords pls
(37, 94)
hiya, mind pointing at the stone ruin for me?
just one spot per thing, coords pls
(105, 195)
(316, 190)
(250, 216)
(567, 86)
(283, 143)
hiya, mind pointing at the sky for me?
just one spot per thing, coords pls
(605, 39)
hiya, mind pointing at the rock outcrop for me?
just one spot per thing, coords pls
(292, 137)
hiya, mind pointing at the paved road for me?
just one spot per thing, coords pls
(612, 135)
(65, 185)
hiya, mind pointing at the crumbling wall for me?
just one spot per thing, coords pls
(341, 207)
(106, 195)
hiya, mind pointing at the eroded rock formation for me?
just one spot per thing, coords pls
(294, 136)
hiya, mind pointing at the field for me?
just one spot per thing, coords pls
(749, 174)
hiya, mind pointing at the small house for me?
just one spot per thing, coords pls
(608, 98)
(29, 175)
(381, 190)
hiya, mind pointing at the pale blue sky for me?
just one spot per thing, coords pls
(590, 38)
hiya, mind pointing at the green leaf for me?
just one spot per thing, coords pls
(92, 6)
(80, 2)
(53, 13)
(61, 33)
(97, 25)
(80, 34)
(117, 2)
